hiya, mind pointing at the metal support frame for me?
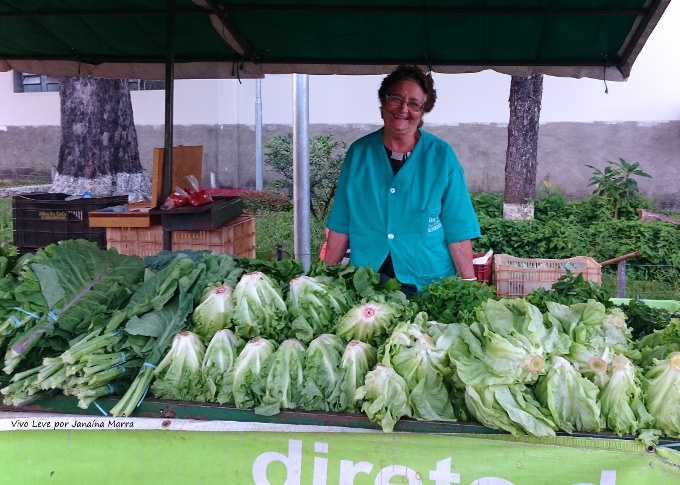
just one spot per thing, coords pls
(166, 186)
(258, 135)
(301, 183)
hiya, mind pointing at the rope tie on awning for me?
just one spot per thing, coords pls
(428, 61)
(236, 68)
(604, 72)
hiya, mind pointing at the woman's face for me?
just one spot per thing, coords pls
(398, 118)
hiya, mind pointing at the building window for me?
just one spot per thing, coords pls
(35, 83)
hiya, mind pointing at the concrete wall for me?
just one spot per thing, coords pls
(564, 150)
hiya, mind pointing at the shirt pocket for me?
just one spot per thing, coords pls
(431, 230)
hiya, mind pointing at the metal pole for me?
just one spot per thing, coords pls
(166, 185)
(258, 135)
(621, 279)
(301, 195)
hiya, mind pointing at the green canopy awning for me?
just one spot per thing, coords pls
(250, 38)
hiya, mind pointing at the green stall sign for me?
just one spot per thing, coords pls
(111, 455)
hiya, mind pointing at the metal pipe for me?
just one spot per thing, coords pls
(621, 279)
(166, 186)
(301, 197)
(258, 135)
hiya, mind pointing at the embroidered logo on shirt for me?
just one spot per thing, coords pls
(433, 224)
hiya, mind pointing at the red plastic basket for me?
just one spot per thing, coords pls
(483, 271)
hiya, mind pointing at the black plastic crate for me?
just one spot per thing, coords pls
(45, 218)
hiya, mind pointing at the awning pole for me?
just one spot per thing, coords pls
(258, 135)
(301, 195)
(169, 107)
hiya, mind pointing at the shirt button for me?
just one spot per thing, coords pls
(390, 236)
(393, 190)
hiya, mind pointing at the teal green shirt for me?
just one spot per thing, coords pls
(412, 215)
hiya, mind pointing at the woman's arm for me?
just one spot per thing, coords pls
(461, 254)
(336, 247)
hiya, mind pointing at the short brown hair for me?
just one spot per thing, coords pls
(410, 73)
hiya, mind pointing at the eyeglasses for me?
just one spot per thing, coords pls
(397, 101)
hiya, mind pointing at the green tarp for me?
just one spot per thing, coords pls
(227, 38)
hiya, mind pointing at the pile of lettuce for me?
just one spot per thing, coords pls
(262, 335)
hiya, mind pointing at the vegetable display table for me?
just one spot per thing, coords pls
(225, 445)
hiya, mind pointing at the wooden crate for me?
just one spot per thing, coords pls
(517, 277)
(137, 215)
(237, 238)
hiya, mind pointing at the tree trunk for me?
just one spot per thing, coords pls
(99, 151)
(521, 155)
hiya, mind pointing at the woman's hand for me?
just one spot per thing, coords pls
(336, 247)
(461, 254)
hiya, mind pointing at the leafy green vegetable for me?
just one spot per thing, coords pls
(150, 336)
(314, 304)
(659, 344)
(385, 395)
(259, 307)
(213, 313)
(509, 408)
(623, 409)
(567, 290)
(661, 387)
(357, 360)
(218, 360)
(248, 376)
(78, 281)
(178, 375)
(323, 374)
(570, 397)
(453, 300)
(415, 356)
(369, 321)
(285, 379)
(644, 319)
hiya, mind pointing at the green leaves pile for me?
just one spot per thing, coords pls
(255, 334)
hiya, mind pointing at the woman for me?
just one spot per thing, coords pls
(401, 199)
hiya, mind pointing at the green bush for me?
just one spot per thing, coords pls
(325, 159)
(585, 227)
(616, 184)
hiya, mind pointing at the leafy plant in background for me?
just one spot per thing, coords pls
(325, 159)
(551, 202)
(616, 183)
(488, 204)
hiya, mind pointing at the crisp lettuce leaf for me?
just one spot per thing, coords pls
(285, 379)
(178, 375)
(218, 360)
(510, 409)
(315, 303)
(621, 401)
(259, 307)
(323, 374)
(661, 387)
(386, 397)
(570, 397)
(213, 313)
(357, 360)
(248, 376)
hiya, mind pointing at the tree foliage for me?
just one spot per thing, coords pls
(325, 159)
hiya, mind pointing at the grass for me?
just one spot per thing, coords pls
(274, 228)
(6, 224)
(646, 290)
